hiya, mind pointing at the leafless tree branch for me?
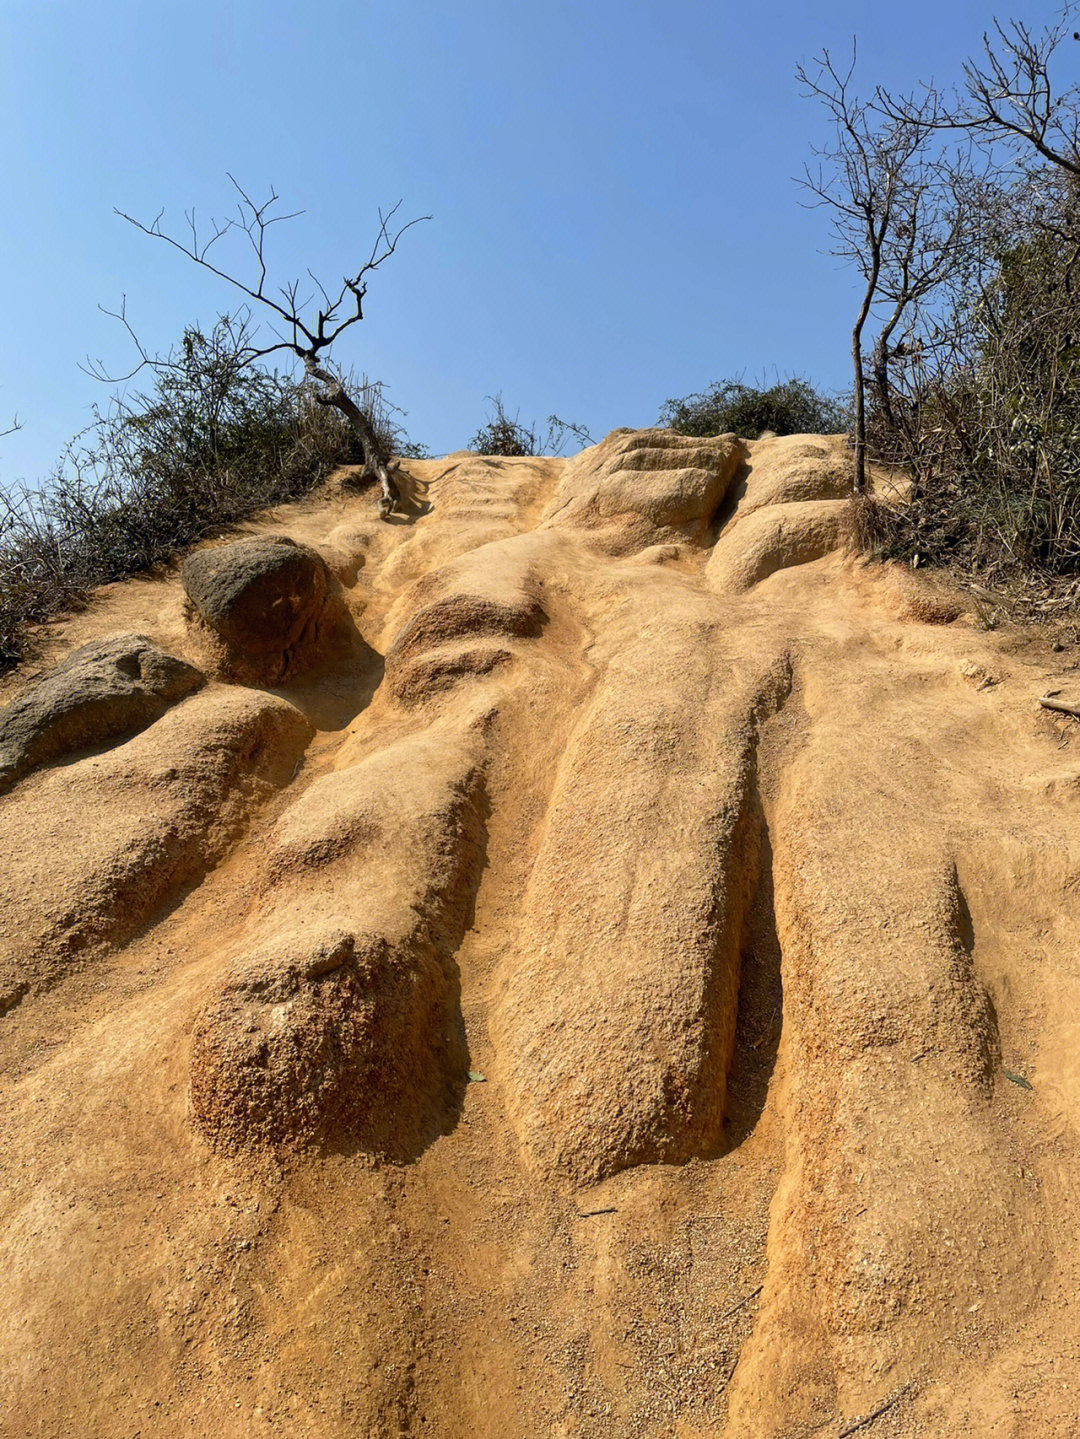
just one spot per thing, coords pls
(887, 197)
(306, 328)
(1008, 94)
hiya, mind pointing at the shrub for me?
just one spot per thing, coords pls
(501, 435)
(990, 433)
(213, 440)
(790, 407)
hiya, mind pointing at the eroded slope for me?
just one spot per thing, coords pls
(583, 991)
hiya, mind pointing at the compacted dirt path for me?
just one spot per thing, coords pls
(627, 984)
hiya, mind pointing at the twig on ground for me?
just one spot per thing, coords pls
(867, 1419)
(741, 1304)
(1062, 707)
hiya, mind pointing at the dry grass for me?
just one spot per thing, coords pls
(212, 442)
(871, 526)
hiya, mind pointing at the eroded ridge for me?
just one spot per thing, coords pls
(890, 1050)
(633, 922)
(787, 511)
(93, 849)
(623, 982)
(463, 619)
(339, 1020)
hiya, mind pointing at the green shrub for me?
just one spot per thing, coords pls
(790, 407)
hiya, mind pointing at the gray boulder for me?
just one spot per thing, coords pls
(261, 600)
(104, 690)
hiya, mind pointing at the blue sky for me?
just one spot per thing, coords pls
(615, 217)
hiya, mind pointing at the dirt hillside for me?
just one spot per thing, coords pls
(585, 958)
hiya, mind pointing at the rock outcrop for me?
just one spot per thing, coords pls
(628, 988)
(102, 691)
(639, 487)
(262, 602)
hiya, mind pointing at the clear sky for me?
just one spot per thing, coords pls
(615, 218)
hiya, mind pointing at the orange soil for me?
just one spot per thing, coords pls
(589, 1003)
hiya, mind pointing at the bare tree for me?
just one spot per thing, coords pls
(1010, 107)
(939, 234)
(1010, 91)
(1009, 104)
(305, 326)
(895, 217)
(974, 379)
(1008, 94)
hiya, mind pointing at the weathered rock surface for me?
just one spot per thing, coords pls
(463, 619)
(104, 690)
(797, 467)
(646, 1006)
(341, 1022)
(642, 486)
(94, 849)
(262, 600)
(774, 537)
(634, 919)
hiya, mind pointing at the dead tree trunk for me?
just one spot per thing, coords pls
(859, 456)
(313, 327)
(377, 463)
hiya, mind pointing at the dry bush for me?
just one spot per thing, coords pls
(871, 527)
(501, 435)
(213, 441)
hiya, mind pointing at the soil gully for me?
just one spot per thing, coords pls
(727, 507)
(334, 699)
(781, 722)
(760, 1012)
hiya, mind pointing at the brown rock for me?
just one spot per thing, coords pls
(261, 601)
(104, 690)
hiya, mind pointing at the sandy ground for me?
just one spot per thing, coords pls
(629, 987)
